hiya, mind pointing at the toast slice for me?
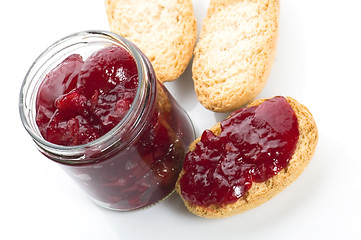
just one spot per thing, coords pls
(235, 52)
(263, 191)
(166, 31)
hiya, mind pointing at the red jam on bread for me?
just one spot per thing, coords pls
(254, 144)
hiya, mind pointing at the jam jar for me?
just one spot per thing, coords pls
(91, 102)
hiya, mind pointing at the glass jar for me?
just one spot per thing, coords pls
(136, 163)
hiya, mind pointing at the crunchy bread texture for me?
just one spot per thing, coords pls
(235, 52)
(166, 31)
(262, 192)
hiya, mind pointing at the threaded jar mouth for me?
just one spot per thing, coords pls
(86, 43)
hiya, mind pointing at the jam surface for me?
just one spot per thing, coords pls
(80, 100)
(255, 144)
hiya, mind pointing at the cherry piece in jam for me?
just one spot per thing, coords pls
(255, 144)
(59, 81)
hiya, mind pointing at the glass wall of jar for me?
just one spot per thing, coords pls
(137, 162)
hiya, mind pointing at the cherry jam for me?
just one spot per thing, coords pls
(80, 101)
(101, 114)
(254, 144)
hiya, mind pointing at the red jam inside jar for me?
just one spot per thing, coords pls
(81, 100)
(254, 144)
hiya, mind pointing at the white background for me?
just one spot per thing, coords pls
(318, 63)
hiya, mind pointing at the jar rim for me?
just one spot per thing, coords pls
(85, 36)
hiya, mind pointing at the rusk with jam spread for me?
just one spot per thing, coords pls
(263, 191)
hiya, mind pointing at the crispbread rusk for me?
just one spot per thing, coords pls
(262, 192)
(165, 30)
(235, 52)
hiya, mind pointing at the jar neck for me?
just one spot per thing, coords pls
(117, 138)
